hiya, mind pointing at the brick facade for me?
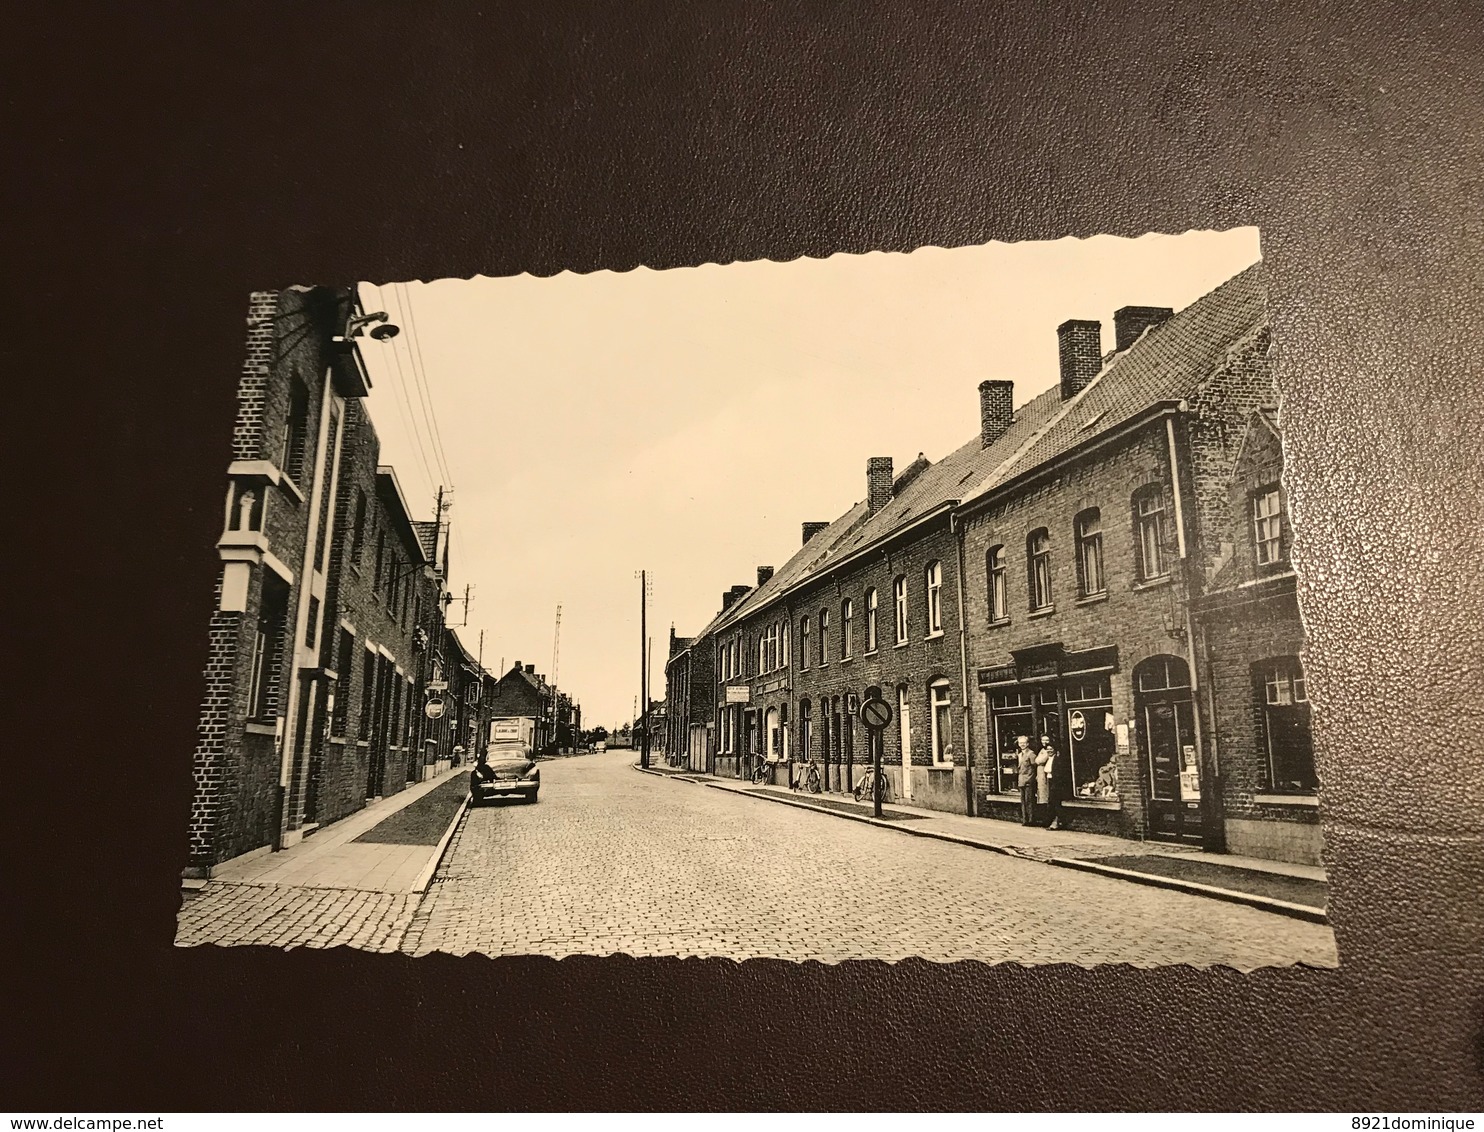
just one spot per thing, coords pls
(291, 735)
(1111, 503)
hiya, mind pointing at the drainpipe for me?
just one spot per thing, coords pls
(963, 661)
(301, 614)
(1212, 837)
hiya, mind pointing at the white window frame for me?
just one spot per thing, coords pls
(1267, 526)
(996, 584)
(1092, 579)
(1149, 526)
(872, 601)
(824, 638)
(934, 583)
(804, 640)
(847, 629)
(1038, 567)
(943, 706)
(899, 597)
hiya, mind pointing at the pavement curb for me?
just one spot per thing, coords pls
(425, 878)
(1193, 888)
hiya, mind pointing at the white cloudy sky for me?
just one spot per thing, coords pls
(687, 421)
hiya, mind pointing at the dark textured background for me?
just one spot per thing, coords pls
(162, 162)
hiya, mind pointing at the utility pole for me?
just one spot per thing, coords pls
(556, 656)
(644, 663)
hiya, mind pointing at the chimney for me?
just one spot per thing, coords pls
(996, 410)
(530, 670)
(729, 597)
(1130, 322)
(763, 574)
(1081, 342)
(517, 666)
(878, 483)
(812, 529)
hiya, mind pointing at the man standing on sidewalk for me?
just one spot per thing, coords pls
(1025, 778)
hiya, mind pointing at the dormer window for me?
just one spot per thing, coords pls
(1267, 527)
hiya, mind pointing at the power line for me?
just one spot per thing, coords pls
(408, 421)
(420, 371)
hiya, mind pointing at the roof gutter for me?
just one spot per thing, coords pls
(1155, 412)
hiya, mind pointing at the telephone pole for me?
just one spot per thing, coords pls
(644, 664)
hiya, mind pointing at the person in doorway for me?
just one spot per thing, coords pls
(1025, 778)
(1048, 782)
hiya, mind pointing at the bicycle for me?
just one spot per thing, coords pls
(809, 778)
(762, 771)
(863, 791)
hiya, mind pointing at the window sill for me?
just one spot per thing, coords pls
(1092, 804)
(1152, 583)
(338, 740)
(1092, 599)
(1306, 801)
(258, 727)
(933, 636)
(901, 644)
(869, 652)
(997, 623)
(292, 488)
(363, 742)
(1046, 611)
(942, 766)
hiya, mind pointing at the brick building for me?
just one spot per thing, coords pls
(1046, 579)
(1250, 637)
(468, 717)
(312, 668)
(523, 693)
(690, 693)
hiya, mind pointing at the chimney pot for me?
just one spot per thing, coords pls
(812, 529)
(878, 483)
(763, 574)
(996, 410)
(1130, 322)
(1081, 347)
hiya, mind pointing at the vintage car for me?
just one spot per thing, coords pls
(506, 770)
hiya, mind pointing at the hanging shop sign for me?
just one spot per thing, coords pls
(433, 709)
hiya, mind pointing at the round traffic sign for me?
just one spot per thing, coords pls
(876, 713)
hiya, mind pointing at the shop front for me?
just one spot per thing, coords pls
(1050, 693)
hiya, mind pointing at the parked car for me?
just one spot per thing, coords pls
(600, 746)
(507, 770)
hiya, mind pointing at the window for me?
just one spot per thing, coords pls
(292, 446)
(1149, 531)
(994, 570)
(345, 659)
(311, 630)
(847, 629)
(266, 646)
(805, 728)
(1038, 568)
(1285, 704)
(368, 687)
(1267, 527)
(358, 530)
(942, 722)
(824, 637)
(1089, 526)
(899, 591)
(380, 559)
(784, 636)
(935, 598)
(904, 728)
(871, 620)
(804, 643)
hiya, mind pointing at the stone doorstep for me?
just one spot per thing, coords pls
(1267, 904)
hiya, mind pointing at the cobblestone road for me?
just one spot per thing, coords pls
(281, 916)
(611, 860)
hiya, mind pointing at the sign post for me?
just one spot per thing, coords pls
(876, 715)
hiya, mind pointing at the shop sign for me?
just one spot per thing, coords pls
(1004, 674)
(1040, 670)
(433, 709)
(739, 694)
(1077, 724)
(772, 685)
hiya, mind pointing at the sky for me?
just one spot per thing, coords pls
(687, 422)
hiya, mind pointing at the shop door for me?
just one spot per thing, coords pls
(1167, 741)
